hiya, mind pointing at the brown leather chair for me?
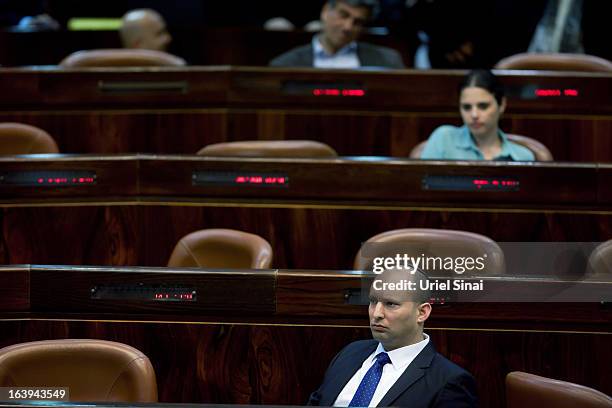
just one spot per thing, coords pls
(555, 62)
(269, 148)
(19, 138)
(93, 370)
(223, 249)
(432, 242)
(600, 262)
(525, 390)
(540, 151)
(121, 58)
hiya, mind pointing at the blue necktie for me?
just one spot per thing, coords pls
(370, 381)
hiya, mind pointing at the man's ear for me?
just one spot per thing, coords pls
(423, 312)
(325, 11)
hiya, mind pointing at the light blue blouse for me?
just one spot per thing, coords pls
(456, 143)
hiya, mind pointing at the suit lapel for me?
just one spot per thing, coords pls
(412, 374)
(365, 56)
(362, 55)
(346, 370)
(307, 59)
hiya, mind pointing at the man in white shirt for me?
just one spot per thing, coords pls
(336, 45)
(400, 367)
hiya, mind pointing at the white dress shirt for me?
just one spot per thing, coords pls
(400, 360)
(559, 29)
(345, 57)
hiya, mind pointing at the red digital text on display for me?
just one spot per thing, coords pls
(556, 92)
(479, 183)
(265, 180)
(338, 92)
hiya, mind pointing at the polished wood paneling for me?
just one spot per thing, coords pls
(301, 237)
(142, 205)
(204, 105)
(349, 133)
(15, 289)
(107, 132)
(217, 363)
(352, 182)
(279, 355)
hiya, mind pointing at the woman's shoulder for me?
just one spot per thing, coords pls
(445, 132)
(520, 152)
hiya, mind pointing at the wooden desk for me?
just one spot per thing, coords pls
(267, 336)
(141, 205)
(181, 110)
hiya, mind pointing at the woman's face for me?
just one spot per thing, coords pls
(480, 111)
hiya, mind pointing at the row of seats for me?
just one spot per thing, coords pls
(18, 138)
(524, 61)
(231, 249)
(105, 371)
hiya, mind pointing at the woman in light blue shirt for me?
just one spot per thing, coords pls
(481, 103)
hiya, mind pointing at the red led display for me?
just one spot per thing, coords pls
(66, 181)
(173, 296)
(141, 292)
(470, 183)
(555, 92)
(48, 178)
(338, 92)
(479, 183)
(260, 180)
(240, 179)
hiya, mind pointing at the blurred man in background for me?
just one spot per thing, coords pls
(336, 46)
(144, 29)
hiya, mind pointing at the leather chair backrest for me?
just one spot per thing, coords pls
(121, 58)
(269, 148)
(432, 243)
(600, 262)
(93, 370)
(524, 390)
(540, 151)
(19, 138)
(223, 249)
(555, 62)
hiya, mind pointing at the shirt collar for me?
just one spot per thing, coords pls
(320, 51)
(466, 141)
(401, 357)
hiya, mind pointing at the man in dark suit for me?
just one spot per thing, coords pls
(400, 367)
(336, 46)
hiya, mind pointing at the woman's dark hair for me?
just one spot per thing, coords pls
(483, 78)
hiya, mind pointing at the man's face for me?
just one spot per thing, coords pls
(153, 35)
(395, 319)
(342, 23)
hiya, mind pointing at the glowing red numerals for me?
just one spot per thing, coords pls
(56, 180)
(497, 183)
(556, 92)
(338, 92)
(65, 180)
(260, 180)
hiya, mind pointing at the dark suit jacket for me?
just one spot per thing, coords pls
(429, 381)
(369, 56)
